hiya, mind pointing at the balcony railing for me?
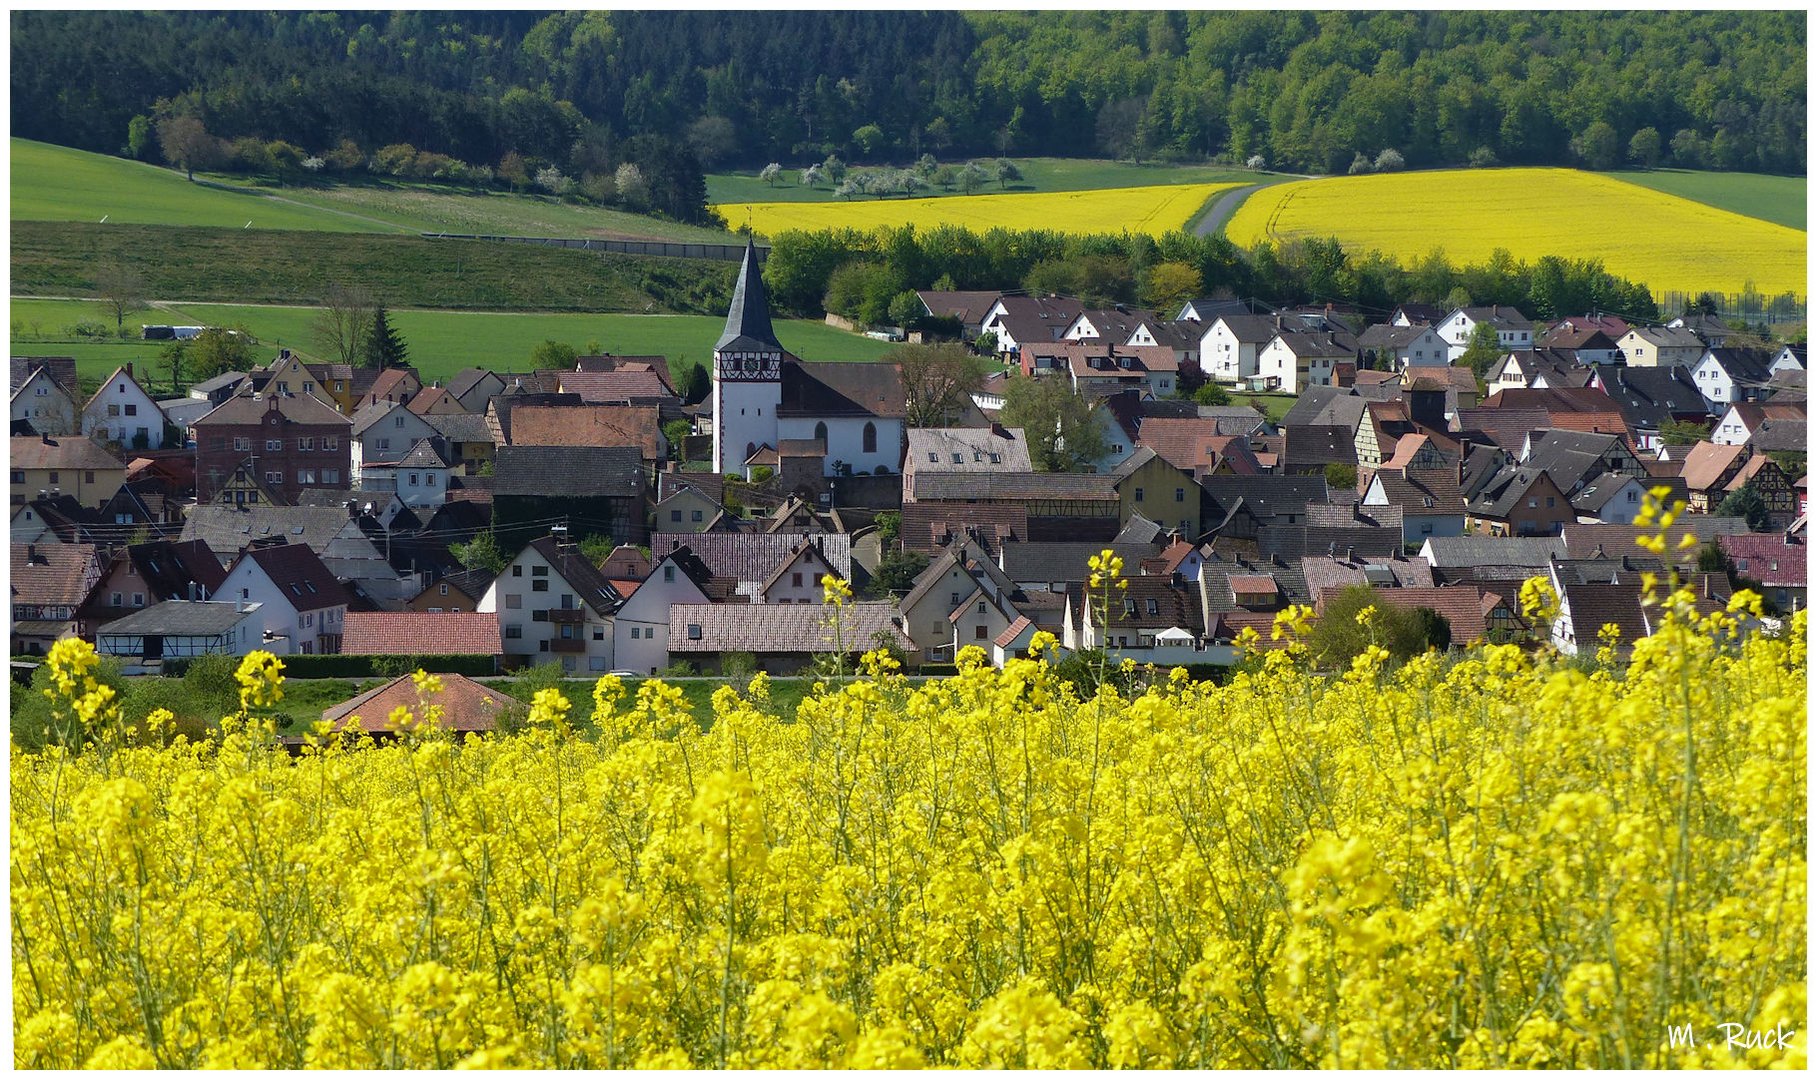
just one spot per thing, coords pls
(567, 615)
(567, 645)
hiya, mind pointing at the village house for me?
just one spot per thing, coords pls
(1386, 347)
(73, 465)
(592, 425)
(385, 431)
(968, 308)
(553, 605)
(1725, 376)
(1512, 329)
(463, 707)
(182, 630)
(302, 605)
(1016, 321)
(1777, 560)
(1430, 501)
(1291, 362)
(42, 403)
(150, 573)
(397, 385)
(1231, 344)
(1660, 346)
(1515, 500)
(50, 582)
(782, 639)
(122, 413)
(600, 490)
(474, 387)
(640, 628)
(416, 633)
(1741, 421)
(420, 478)
(291, 443)
(1584, 343)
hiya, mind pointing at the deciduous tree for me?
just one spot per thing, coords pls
(342, 325)
(1062, 430)
(122, 290)
(938, 380)
(187, 145)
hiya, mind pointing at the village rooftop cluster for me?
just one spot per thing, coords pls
(309, 508)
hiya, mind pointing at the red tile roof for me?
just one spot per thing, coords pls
(466, 705)
(405, 633)
(589, 425)
(1767, 558)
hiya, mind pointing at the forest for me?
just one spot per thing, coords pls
(1302, 91)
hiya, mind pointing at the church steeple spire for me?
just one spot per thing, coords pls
(748, 322)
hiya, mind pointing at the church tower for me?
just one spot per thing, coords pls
(747, 373)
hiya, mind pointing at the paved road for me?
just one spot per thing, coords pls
(1228, 202)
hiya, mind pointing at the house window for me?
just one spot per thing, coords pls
(306, 444)
(599, 633)
(567, 631)
(331, 476)
(305, 476)
(1551, 502)
(693, 631)
(274, 445)
(513, 601)
(399, 422)
(636, 633)
(697, 515)
(88, 476)
(1533, 504)
(1179, 495)
(242, 443)
(54, 478)
(980, 607)
(539, 571)
(596, 663)
(116, 600)
(331, 442)
(795, 580)
(668, 573)
(132, 410)
(1138, 494)
(675, 515)
(955, 600)
(514, 632)
(414, 481)
(978, 632)
(113, 410)
(1154, 607)
(541, 585)
(517, 571)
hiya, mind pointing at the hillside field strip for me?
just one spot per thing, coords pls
(57, 183)
(1662, 240)
(440, 342)
(1154, 209)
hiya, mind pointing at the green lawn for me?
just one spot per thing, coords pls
(1778, 199)
(1038, 174)
(441, 342)
(1275, 405)
(55, 183)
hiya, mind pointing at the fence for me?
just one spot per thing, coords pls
(1750, 307)
(719, 252)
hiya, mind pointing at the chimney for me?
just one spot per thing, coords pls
(1350, 554)
(128, 367)
(31, 553)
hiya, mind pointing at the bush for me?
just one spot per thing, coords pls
(351, 666)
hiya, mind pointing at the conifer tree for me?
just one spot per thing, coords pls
(384, 348)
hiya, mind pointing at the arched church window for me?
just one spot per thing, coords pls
(870, 437)
(820, 432)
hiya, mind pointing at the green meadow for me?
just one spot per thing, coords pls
(1778, 199)
(1038, 174)
(440, 342)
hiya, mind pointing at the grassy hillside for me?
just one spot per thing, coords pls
(1038, 174)
(440, 342)
(63, 258)
(1778, 199)
(1663, 240)
(56, 183)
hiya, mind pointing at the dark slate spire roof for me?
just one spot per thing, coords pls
(748, 323)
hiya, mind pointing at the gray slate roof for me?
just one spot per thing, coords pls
(568, 471)
(781, 628)
(748, 326)
(179, 618)
(1535, 551)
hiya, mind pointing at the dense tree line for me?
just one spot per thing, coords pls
(871, 275)
(1300, 90)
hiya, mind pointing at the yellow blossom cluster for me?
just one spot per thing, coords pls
(1486, 860)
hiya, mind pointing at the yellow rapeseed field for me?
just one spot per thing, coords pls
(1153, 210)
(1664, 241)
(1493, 859)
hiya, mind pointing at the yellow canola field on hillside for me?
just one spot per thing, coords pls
(1153, 210)
(1648, 236)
